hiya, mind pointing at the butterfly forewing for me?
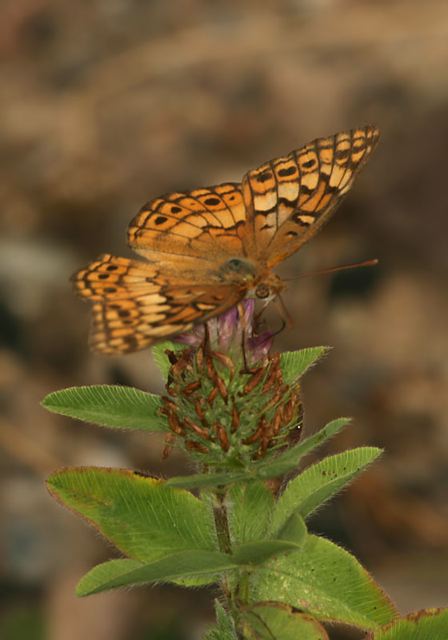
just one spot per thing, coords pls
(199, 223)
(135, 304)
(288, 199)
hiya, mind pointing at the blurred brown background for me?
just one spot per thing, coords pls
(104, 104)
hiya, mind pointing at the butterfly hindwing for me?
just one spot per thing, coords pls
(289, 198)
(134, 305)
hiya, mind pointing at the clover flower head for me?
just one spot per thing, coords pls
(226, 398)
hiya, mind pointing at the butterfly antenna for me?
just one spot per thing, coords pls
(345, 267)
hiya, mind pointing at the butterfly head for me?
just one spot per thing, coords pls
(267, 287)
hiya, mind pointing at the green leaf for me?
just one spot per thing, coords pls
(319, 482)
(160, 357)
(225, 627)
(109, 406)
(205, 480)
(139, 515)
(121, 573)
(295, 363)
(270, 622)
(189, 565)
(290, 458)
(327, 582)
(294, 529)
(429, 624)
(249, 509)
(264, 469)
(254, 553)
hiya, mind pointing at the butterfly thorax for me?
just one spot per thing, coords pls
(257, 281)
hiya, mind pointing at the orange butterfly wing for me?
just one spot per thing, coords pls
(135, 304)
(204, 223)
(290, 198)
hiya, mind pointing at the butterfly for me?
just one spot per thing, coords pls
(208, 249)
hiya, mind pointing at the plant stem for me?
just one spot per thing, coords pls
(224, 542)
(222, 523)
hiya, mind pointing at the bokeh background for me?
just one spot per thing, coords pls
(106, 103)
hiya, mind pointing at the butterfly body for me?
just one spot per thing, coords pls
(255, 280)
(208, 249)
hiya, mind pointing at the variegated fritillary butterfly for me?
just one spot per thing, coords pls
(210, 248)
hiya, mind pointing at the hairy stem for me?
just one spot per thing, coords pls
(222, 523)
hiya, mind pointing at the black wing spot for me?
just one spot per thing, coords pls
(342, 154)
(160, 220)
(112, 267)
(266, 175)
(289, 171)
(212, 201)
(309, 164)
(176, 209)
(103, 276)
(110, 289)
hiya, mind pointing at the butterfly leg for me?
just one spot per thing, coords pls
(279, 331)
(286, 317)
(258, 317)
(244, 333)
(206, 343)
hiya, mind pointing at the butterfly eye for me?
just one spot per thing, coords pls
(262, 291)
